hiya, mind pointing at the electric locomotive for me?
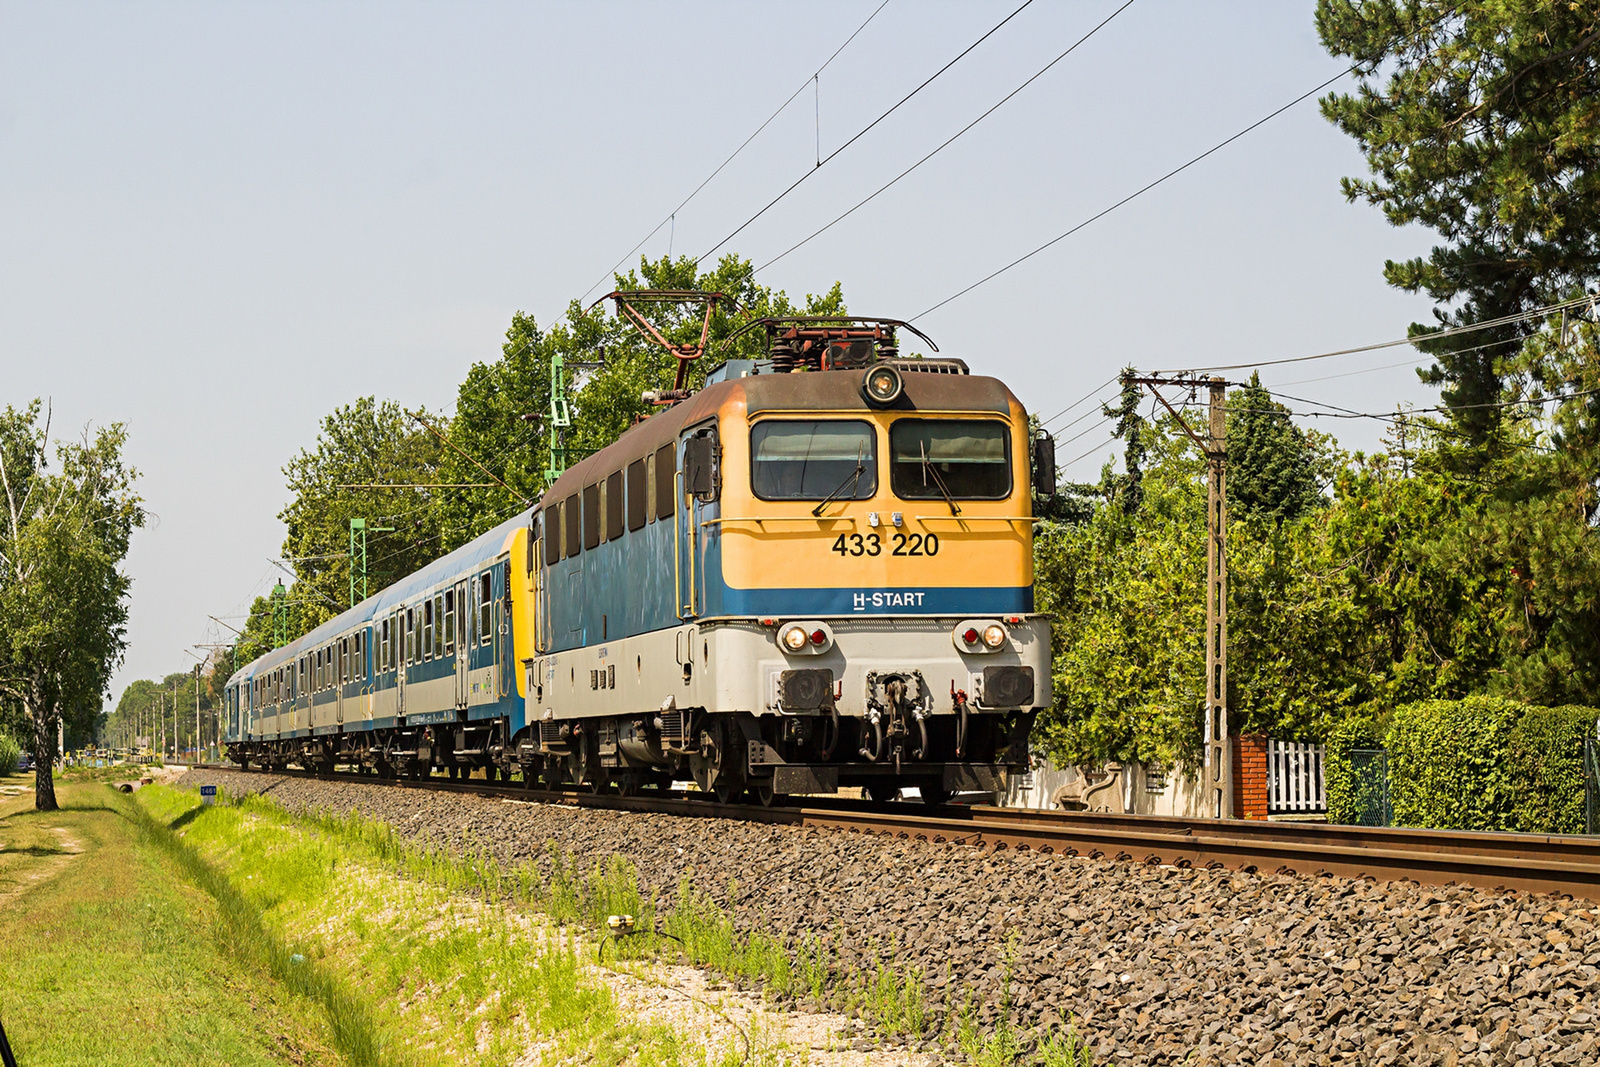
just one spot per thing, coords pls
(815, 572)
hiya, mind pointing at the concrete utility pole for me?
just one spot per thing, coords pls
(1219, 762)
(1217, 768)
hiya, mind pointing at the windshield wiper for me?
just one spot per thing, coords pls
(852, 479)
(928, 469)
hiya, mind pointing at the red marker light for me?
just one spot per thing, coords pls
(818, 637)
(970, 636)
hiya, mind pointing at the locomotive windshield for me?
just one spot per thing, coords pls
(933, 458)
(812, 459)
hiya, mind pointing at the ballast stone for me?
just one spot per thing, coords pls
(1331, 970)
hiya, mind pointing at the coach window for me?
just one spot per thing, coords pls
(613, 507)
(552, 535)
(666, 492)
(571, 520)
(449, 621)
(963, 459)
(813, 459)
(358, 646)
(301, 688)
(485, 607)
(438, 628)
(333, 666)
(427, 629)
(383, 645)
(591, 516)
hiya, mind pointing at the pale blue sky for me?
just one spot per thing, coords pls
(219, 221)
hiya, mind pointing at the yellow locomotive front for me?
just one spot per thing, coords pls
(825, 580)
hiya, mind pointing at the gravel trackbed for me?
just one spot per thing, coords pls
(1154, 965)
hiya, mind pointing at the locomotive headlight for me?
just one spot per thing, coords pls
(994, 635)
(795, 638)
(882, 386)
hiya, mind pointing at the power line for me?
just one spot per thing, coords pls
(1089, 396)
(1087, 454)
(1090, 430)
(1420, 338)
(861, 133)
(998, 104)
(672, 215)
(1131, 196)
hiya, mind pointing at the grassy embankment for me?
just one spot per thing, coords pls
(450, 972)
(255, 839)
(110, 954)
(306, 946)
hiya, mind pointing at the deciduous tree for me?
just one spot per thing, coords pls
(64, 532)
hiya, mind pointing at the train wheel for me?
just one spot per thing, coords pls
(933, 792)
(766, 794)
(583, 764)
(628, 785)
(882, 792)
(718, 769)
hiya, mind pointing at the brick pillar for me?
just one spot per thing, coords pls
(1250, 776)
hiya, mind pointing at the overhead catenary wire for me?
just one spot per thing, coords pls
(1414, 339)
(1090, 395)
(673, 214)
(1130, 197)
(947, 143)
(862, 132)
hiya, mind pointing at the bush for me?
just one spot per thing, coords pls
(10, 752)
(1346, 799)
(1544, 757)
(1448, 765)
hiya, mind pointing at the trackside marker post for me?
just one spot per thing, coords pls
(208, 795)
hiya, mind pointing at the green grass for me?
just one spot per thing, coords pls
(452, 962)
(890, 995)
(111, 956)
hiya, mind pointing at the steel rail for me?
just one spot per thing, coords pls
(1534, 863)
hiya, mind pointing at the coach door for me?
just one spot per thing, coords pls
(457, 614)
(403, 641)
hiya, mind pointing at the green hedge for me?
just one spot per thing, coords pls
(1447, 763)
(1483, 763)
(1545, 759)
(10, 752)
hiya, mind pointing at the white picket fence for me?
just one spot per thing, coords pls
(1296, 784)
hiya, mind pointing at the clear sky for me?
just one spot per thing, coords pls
(220, 221)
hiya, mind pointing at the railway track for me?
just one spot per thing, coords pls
(1538, 863)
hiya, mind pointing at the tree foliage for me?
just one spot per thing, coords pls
(455, 477)
(1407, 582)
(1480, 120)
(65, 525)
(366, 459)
